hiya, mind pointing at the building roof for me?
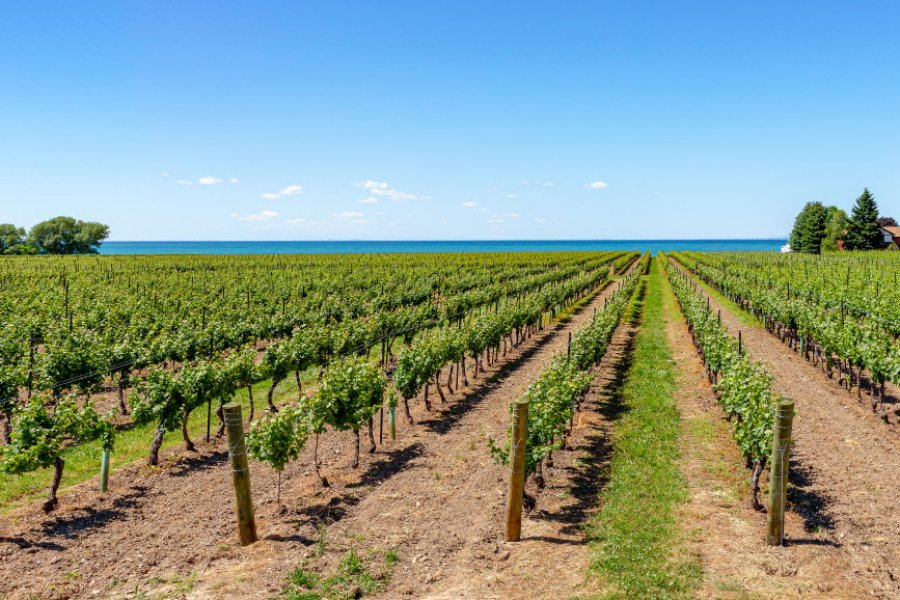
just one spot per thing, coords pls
(893, 230)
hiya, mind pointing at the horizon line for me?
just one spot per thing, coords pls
(761, 239)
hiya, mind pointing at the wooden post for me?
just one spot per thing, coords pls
(516, 472)
(240, 473)
(740, 344)
(569, 348)
(104, 471)
(781, 447)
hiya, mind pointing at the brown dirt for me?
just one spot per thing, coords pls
(433, 496)
(845, 470)
(724, 531)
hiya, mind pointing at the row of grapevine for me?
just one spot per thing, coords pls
(167, 396)
(553, 397)
(117, 336)
(743, 387)
(80, 359)
(805, 313)
(352, 391)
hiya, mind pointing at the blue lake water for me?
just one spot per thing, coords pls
(355, 247)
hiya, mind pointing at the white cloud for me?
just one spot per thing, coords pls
(369, 200)
(512, 195)
(164, 174)
(597, 185)
(381, 188)
(394, 194)
(266, 215)
(348, 214)
(539, 220)
(470, 204)
(371, 185)
(185, 182)
(298, 221)
(209, 180)
(291, 190)
(233, 180)
(512, 215)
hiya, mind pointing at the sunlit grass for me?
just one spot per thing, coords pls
(132, 445)
(635, 538)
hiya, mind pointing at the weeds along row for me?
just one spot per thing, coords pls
(742, 386)
(555, 395)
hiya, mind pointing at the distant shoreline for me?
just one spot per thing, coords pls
(368, 246)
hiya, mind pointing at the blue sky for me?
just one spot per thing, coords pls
(207, 120)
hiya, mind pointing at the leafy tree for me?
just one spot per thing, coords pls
(886, 222)
(809, 229)
(65, 235)
(42, 433)
(863, 232)
(835, 228)
(12, 239)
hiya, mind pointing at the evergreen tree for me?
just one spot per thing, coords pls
(795, 239)
(863, 232)
(809, 228)
(813, 228)
(835, 228)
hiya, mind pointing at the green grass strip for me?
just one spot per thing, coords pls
(635, 539)
(132, 445)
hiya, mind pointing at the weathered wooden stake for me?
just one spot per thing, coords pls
(240, 473)
(569, 347)
(778, 478)
(104, 471)
(740, 344)
(516, 472)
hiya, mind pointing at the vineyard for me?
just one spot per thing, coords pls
(843, 314)
(392, 406)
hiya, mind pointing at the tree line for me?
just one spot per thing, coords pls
(60, 235)
(819, 228)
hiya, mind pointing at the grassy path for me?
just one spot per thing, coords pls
(637, 543)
